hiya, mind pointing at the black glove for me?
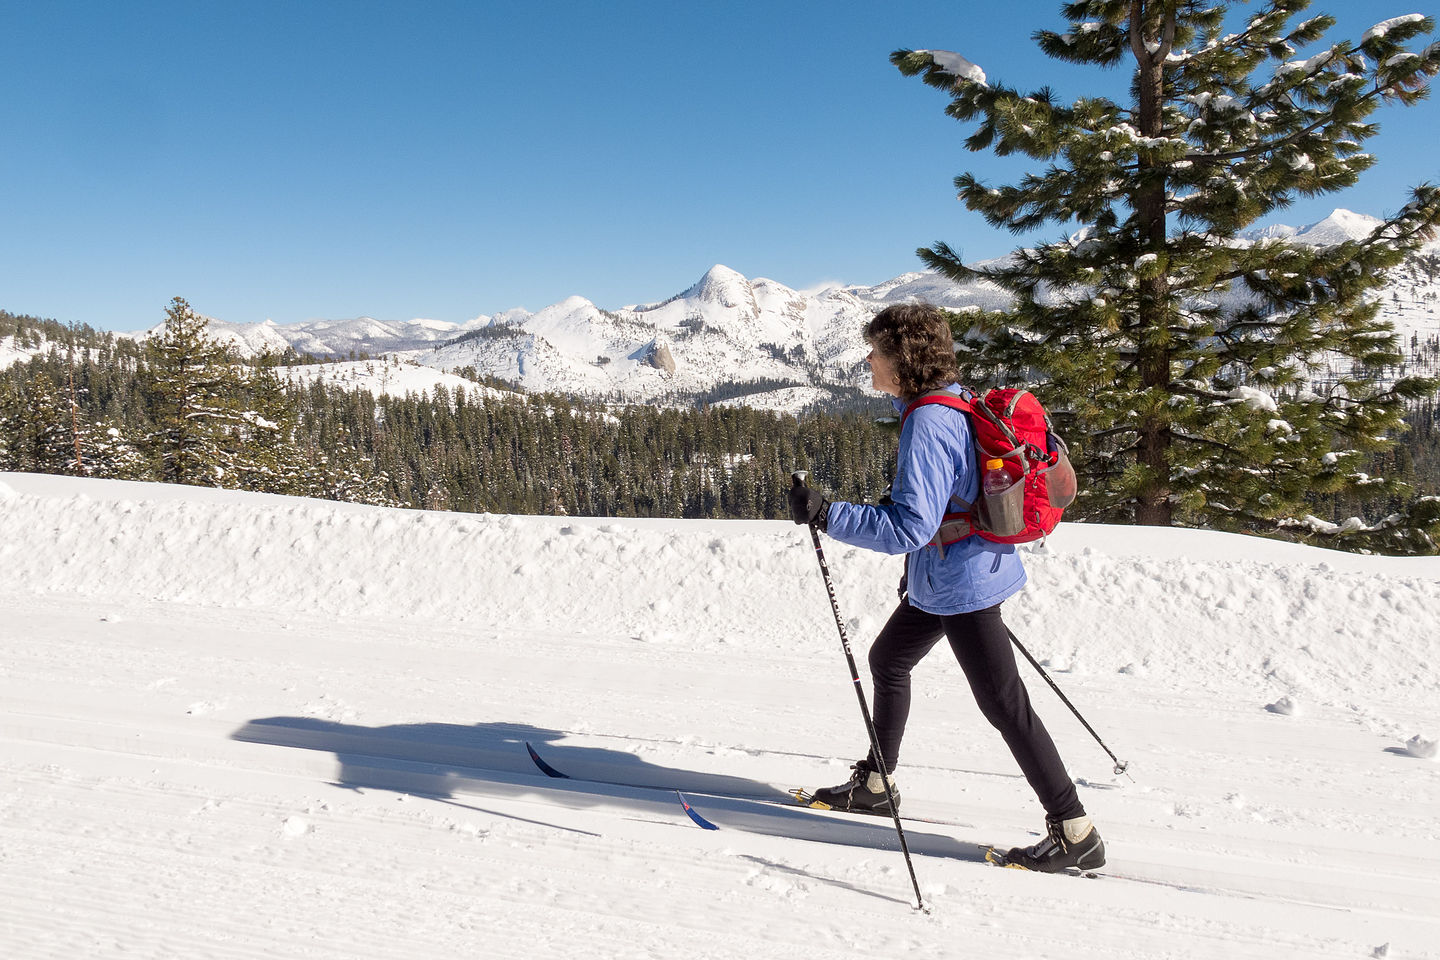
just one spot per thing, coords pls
(807, 506)
(904, 590)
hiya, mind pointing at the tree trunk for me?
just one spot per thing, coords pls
(1152, 29)
(75, 416)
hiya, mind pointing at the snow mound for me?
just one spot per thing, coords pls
(1422, 747)
(1258, 613)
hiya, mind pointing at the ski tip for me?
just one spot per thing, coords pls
(994, 856)
(545, 768)
(699, 820)
(806, 800)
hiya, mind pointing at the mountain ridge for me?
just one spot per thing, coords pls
(723, 330)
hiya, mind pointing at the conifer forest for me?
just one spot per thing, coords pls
(107, 406)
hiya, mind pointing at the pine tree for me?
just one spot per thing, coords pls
(273, 460)
(195, 390)
(35, 423)
(1204, 379)
(7, 426)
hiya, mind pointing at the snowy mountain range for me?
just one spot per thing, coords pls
(726, 331)
(723, 331)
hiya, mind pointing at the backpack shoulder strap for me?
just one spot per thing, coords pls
(956, 525)
(946, 398)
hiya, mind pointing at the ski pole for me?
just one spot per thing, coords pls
(1120, 765)
(798, 479)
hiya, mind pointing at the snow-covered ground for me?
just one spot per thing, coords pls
(235, 725)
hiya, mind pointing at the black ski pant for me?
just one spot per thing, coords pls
(982, 646)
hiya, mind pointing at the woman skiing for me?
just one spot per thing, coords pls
(953, 593)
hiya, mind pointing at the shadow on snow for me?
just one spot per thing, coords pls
(449, 761)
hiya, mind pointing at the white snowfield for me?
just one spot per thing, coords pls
(238, 726)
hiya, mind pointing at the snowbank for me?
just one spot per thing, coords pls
(1277, 618)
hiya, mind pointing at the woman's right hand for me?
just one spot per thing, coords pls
(807, 506)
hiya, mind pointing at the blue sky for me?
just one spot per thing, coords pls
(314, 159)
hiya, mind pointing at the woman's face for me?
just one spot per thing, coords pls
(882, 373)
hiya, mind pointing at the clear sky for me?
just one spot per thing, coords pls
(322, 159)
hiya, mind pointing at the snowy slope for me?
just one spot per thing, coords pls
(339, 338)
(387, 376)
(1410, 302)
(10, 353)
(237, 725)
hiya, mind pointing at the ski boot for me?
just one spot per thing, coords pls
(1068, 845)
(864, 792)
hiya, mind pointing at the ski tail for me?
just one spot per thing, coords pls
(690, 811)
(545, 768)
(550, 771)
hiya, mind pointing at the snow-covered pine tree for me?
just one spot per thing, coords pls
(109, 453)
(7, 392)
(95, 447)
(1205, 379)
(35, 435)
(195, 386)
(273, 461)
(352, 481)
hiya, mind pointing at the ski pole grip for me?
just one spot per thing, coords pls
(799, 477)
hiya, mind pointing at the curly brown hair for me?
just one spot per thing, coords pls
(916, 336)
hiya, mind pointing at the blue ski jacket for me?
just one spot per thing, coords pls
(936, 460)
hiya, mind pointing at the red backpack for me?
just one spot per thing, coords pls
(1009, 425)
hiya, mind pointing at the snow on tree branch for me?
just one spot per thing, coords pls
(956, 65)
(1383, 28)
